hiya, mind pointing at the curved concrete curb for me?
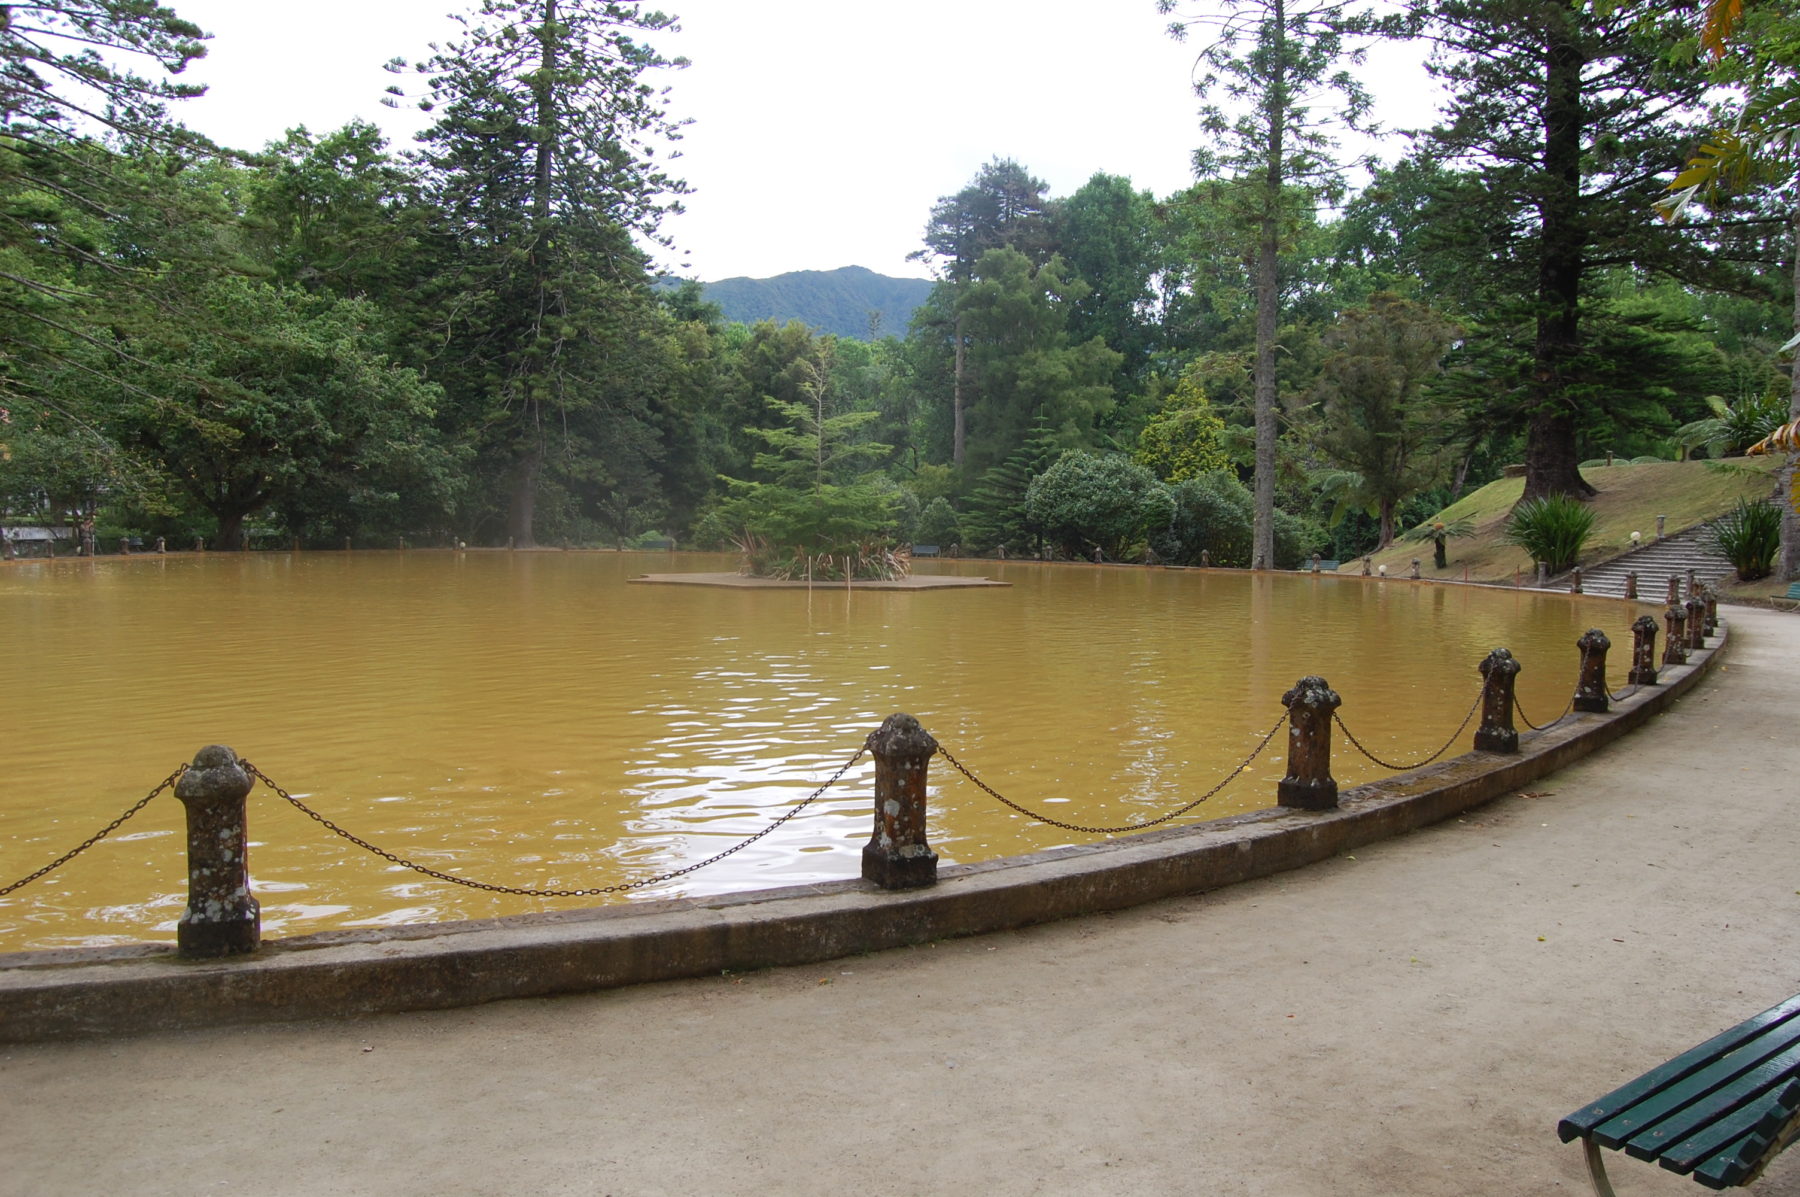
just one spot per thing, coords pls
(110, 991)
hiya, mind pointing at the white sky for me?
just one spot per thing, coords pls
(823, 129)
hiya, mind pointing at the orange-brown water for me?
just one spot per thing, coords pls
(531, 719)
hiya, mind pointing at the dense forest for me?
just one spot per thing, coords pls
(336, 339)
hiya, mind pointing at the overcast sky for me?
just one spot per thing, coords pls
(823, 130)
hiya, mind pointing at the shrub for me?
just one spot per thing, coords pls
(1552, 529)
(1211, 514)
(1084, 501)
(1750, 536)
(938, 525)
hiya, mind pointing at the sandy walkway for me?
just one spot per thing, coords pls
(1412, 1020)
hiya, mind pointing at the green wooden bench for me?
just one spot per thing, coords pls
(1720, 1111)
(1794, 591)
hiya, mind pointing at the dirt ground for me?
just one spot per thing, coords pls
(1412, 1019)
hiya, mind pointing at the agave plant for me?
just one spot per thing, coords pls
(1552, 529)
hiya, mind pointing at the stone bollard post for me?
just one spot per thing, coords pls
(1631, 584)
(1367, 561)
(346, 544)
(1309, 784)
(1415, 569)
(1693, 587)
(162, 545)
(222, 917)
(1660, 520)
(1575, 580)
(897, 856)
(6, 549)
(199, 544)
(1499, 672)
(1205, 559)
(1675, 635)
(1643, 652)
(1696, 622)
(1711, 597)
(124, 546)
(1543, 575)
(1317, 559)
(1674, 590)
(1590, 691)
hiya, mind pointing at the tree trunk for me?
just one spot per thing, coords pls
(230, 534)
(1387, 524)
(1787, 565)
(1268, 296)
(1551, 456)
(521, 512)
(959, 435)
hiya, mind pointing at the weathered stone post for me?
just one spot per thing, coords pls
(124, 546)
(897, 856)
(1309, 784)
(1696, 622)
(6, 549)
(1499, 672)
(1590, 691)
(162, 544)
(1711, 598)
(1631, 584)
(199, 544)
(1660, 521)
(1643, 652)
(1317, 558)
(1367, 561)
(222, 917)
(1205, 559)
(1675, 628)
(1543, 575)
(1575, 580)
(1693, 584)
(1415, 569)
(1674, 590)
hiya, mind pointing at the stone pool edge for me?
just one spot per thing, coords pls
(85, 992)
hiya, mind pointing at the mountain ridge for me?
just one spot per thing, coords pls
(851, 301)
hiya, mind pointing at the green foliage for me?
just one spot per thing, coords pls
(938, 524)
(1750, 536)
(1552, 529)
(1734, 427)
(1185, 438)
(1087, 501)
(1211, 513)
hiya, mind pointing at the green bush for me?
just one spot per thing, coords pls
(1750, 536)
(938, 525)
(1211, 514)
(1552, 529)
(1086, 501)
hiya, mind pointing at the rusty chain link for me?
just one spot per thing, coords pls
(1565, 711)
(1128, 827)
(526, 891)
(91, 840)
(1335, 718)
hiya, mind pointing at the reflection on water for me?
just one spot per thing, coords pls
(531, 719)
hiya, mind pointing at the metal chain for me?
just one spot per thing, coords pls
(91, 840)
(526, 891)
(1128, 827)
(1454, 736)
(1565, 710)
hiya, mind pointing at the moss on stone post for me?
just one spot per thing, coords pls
(1675, 640)
(1499, 673)
(897, 856)
(1643, 652)
(1309, 784)
(1590, 691)
(1631, 584)
(222, 917)
(1696, 623)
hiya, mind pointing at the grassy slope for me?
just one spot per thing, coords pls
(1630, 499)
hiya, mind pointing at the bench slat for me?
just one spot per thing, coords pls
(1763, 1118)
(1583, 1121)
(1659, 1118)
(1736, 1165)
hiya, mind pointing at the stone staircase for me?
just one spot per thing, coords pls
(1655, 563)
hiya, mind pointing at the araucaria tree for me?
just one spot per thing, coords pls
(1571, 115)
(543, 164)
(1277, 63)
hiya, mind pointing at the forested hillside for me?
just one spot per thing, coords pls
(851, 301)
(461, 339)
